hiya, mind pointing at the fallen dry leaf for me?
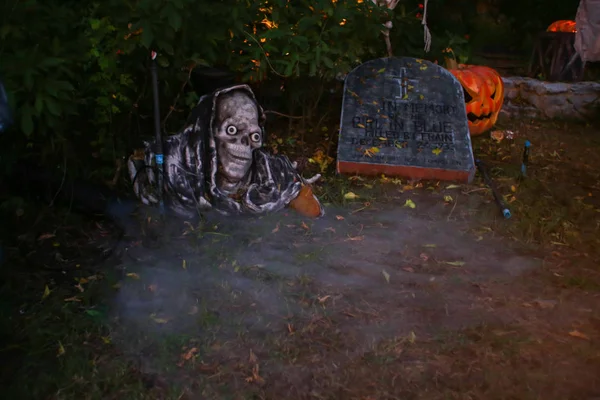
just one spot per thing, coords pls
(255, 241)
(46, 236)
(330, 229)
(409, 203)
(133, 275)
(304, 226)
(339, 217)
(61, 349)
(190, 353)
(276, 228)
(386, 276)
(46, 292)
(579, 335)
(412, 337)
(256, 378)
(187, 356)
(424, 257)
(323, 299)
(546, 303)
(158, 320)
(354, 238)
(408, 269)
(74, 298)
(252, 359)
(455, 263)
(208, 368)
(350, 196)
(497, 135)
(502, 333)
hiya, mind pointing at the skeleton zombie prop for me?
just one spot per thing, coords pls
(217, 161)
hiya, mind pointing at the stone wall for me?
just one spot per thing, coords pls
(532, 98)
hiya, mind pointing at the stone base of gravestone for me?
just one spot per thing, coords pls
(404, 117)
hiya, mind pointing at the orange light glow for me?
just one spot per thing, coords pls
(269, 24)
(562, 26)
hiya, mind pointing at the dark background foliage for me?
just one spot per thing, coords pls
(77, 75)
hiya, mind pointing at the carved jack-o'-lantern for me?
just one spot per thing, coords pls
(562, 26)
(484, 95)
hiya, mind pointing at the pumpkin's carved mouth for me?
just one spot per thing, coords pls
(474, 118)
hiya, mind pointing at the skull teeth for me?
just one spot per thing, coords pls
(240, 151)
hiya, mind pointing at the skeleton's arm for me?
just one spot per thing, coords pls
(276, 183)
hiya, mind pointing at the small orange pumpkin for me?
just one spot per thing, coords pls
(484, 95)
(306, 203)
(562, 26)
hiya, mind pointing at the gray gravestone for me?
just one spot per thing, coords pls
(404, 117)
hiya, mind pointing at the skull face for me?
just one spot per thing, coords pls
(237, 133)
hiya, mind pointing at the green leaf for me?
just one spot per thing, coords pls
(199, 60)
(162, 61)
(178, 4)
(93, 313)
(166, 46)
(173, 17)
(28, 79)
(50, 62)
(5, 31)
(27, 120)
(147, 36)
(289, 69)
(52, 107)
(63, 85)
(307, 23)
(327, 61)
(95, 23)
(54, 88)
(312, 69)
(301, 42)
(39, 104)
(318, 55)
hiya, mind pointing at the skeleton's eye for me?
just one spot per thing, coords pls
(231, 130)
(255, 137)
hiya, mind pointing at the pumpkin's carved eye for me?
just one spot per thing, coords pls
(468, 97)
(494, 94)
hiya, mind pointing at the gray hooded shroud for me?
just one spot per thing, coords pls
(191, 162)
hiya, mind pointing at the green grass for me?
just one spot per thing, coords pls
(59, 348)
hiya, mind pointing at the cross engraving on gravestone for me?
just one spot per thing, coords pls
(404, 117)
